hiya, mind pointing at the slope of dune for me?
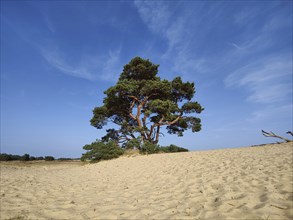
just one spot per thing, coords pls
(239, 183)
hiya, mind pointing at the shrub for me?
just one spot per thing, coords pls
(150, 148)
(132, 144)
(39, 158)
(5, 157)
(25, 157)
(64, 159)
(99, 150)
(9, 157)
(32, 158)
(15, 157)
(173, 149)
(49, 158)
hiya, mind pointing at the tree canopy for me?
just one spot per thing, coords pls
(141, 103)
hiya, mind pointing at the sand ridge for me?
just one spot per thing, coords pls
(239, 183)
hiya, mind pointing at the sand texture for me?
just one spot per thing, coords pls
(241, 183)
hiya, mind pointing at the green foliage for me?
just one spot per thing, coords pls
(139, 69)
(5, 157)
(64, 159)
(9, 157)
(99, 150)
(150, 148)
(25, 157)
(32, 158)
(49, 158)
(173, 149)
(141, 103)
(39, 158)
(132, 144)
(162, 107)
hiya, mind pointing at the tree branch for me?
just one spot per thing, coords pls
(145, 115)
(172, 122)
(144, 120)
(131, 107)
(133, 97)
(157, 134)
(271, 134)
(151, 131)
(143, 134)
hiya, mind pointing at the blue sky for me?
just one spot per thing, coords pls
(57, 58)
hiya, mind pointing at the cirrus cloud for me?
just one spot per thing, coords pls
(89, 67)
(268, 80)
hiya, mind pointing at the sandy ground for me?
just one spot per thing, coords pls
(240, 183)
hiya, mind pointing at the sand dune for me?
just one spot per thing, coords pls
(240, 183)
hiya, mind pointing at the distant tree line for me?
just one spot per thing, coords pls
(27, 157)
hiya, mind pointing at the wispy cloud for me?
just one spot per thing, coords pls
(265, 77)
(111, 65)
(186, 63)
(155, 14)
(267, 80)
(56, 60)
(89, 67)
(183, 32)
(49, 24)
(271, 111)
(236, 46)
(104, 65)
(245, 16)
(270, 93)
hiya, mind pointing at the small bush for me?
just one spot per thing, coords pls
(49, 158)
(25, 157)
(32, 158)
(99, 150)
(15, 157)
(173, 149)
(39, 158)
(5, 157)
(10, 157)
(64, 159)
(150, 148)
(132, 144)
